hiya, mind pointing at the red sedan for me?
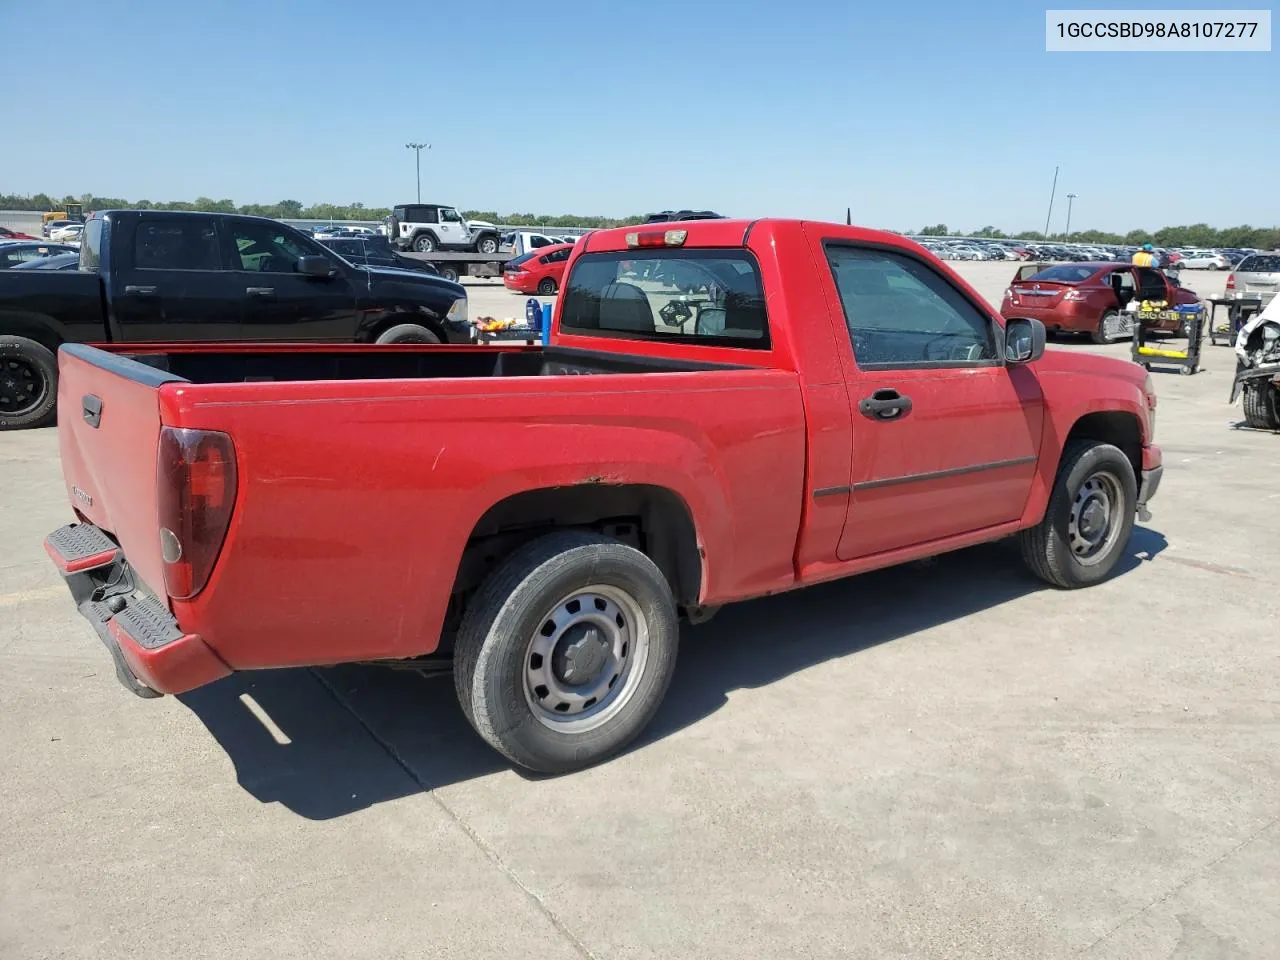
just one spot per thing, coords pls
(7, 234)
(538, 272)
(1088, 297)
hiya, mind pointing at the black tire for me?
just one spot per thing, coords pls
(1100, 335)
(28, 384)
(1259, 401)
(492, 655)
(487, 245)
(447, 272)
(1047, 547)
(407, 333)
(424, 243)
(547, 287)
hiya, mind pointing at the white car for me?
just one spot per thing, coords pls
(1203, 260)
(523, 241)
(70, 233)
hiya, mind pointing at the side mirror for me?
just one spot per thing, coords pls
(314, 266)
(1023, 340)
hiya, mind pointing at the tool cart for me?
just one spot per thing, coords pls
(1150, 353)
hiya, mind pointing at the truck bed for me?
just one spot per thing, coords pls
(268, 363)
(365, 472)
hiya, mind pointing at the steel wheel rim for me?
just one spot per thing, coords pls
(1096, 520)
(22, 388)
(585, 659)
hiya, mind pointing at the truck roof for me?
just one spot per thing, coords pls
(178, 214)
(734, 233)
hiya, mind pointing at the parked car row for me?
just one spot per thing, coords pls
(970, 248)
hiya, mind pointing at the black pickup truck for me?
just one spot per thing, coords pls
(152, 276)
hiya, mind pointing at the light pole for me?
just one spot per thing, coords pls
(417, 149)
(1070, 197)
(1052, 192)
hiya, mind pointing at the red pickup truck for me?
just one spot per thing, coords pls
(726, 409)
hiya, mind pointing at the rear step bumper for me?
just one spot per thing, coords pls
(152, 654)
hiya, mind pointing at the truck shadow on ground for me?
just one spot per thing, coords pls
(328, 742)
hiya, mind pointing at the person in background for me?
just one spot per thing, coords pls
(1146, 257)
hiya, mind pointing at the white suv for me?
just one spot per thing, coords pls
(426, 227)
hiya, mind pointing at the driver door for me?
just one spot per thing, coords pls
(453, 232)
(278, 302)
(945, 436)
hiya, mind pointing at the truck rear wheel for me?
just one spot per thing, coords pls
(547, 286)
(424, 243)
(28, 384)
(448, 272)
(566, 651)
(1089, 518)
(1259, 402)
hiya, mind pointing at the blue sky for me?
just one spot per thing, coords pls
(909, 113)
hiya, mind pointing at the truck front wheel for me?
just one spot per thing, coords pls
(487, 245)
(566, 650)
(1089, 518)
(28, 384)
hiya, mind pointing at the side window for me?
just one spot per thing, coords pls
(901, 313)
(449, 215)
(545, 260)
(91, 246)
(537, 240)
(264, 248)
(187, 244)
(557, 257)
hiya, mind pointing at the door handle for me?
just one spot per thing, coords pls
(260, 291)
(140, 290)
(884, 405)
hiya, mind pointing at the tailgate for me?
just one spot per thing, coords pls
(108, 434)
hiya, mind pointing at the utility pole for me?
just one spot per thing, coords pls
(1070, 198)
(1052, 193)
(417, 149)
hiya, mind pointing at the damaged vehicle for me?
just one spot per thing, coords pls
(1258, 368)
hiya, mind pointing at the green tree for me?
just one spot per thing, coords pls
(937, 230)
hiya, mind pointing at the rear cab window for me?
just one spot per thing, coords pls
(709, 296)
(91, 245)
(177, 244)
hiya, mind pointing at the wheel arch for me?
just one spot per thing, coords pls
(1117, 427)
(654, 519)
(376, 329)
(43, 330)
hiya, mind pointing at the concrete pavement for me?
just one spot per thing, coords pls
(944, 760)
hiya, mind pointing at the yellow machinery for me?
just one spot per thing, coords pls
(70, 211)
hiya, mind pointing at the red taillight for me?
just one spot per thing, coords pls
(1231, 281)
(196, 482)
